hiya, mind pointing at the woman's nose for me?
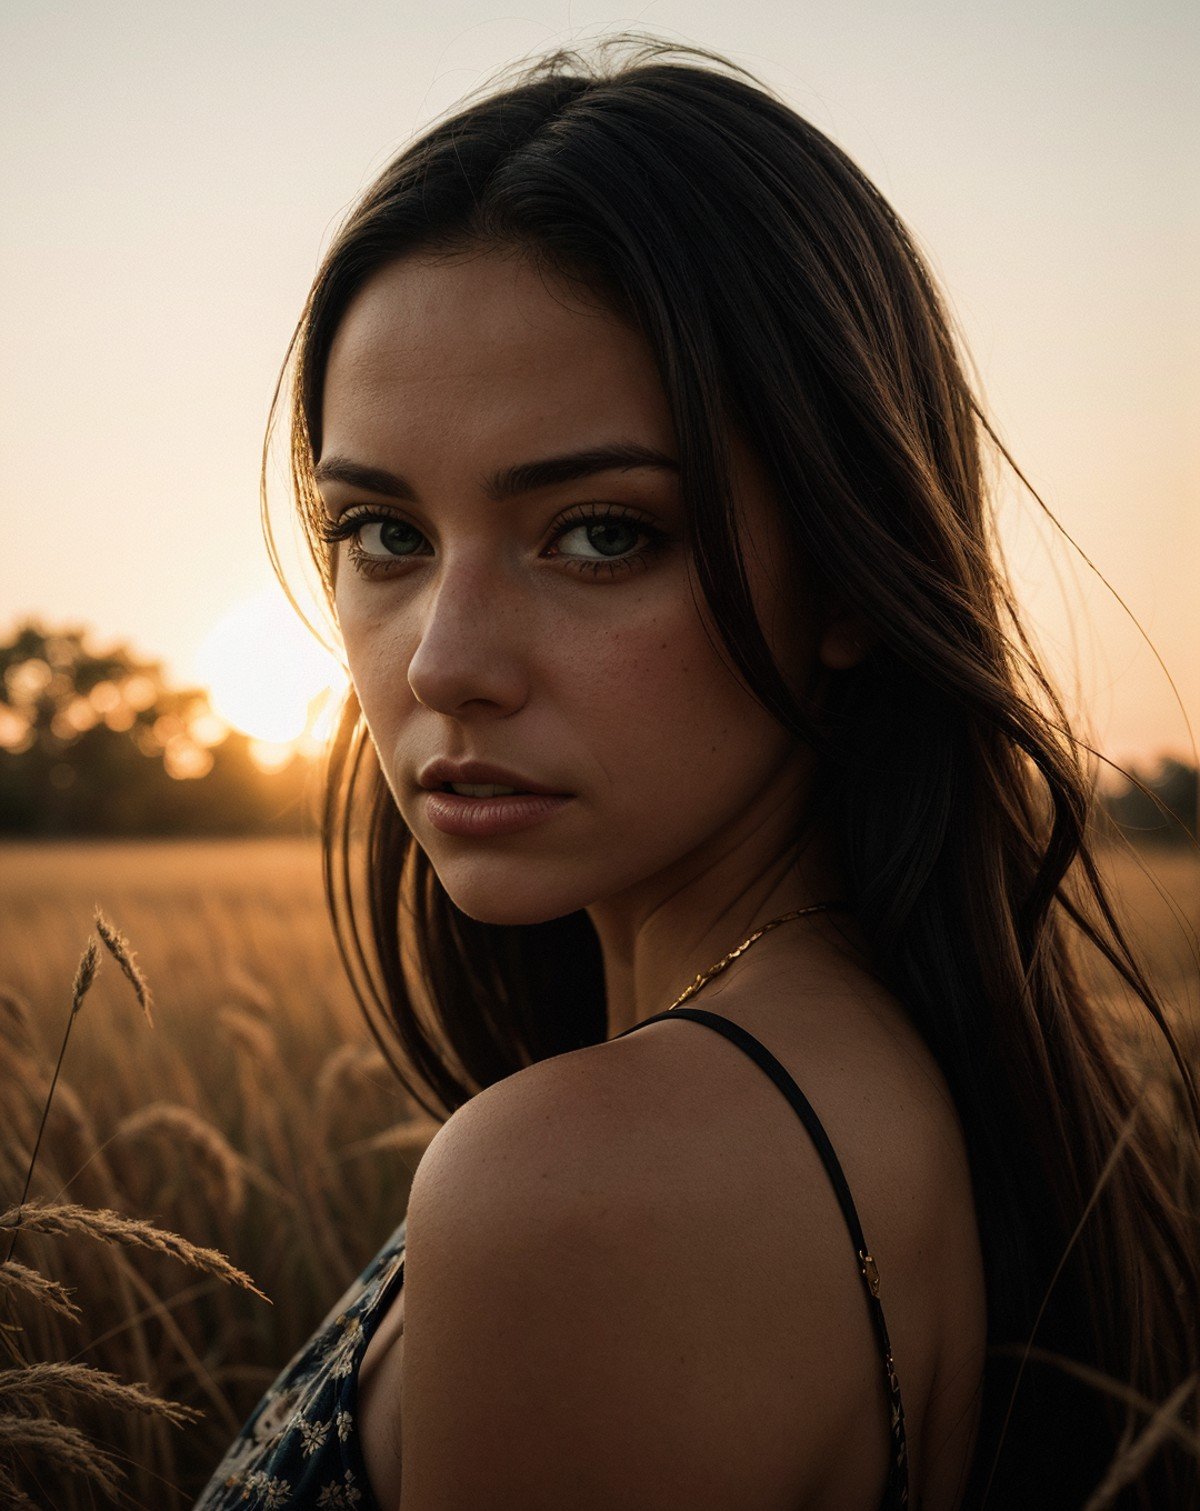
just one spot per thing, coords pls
(469, 643)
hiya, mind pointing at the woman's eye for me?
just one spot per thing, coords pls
(609, 538)
(387, 537)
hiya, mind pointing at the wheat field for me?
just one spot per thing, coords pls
(253, 1117)
(248, 1118)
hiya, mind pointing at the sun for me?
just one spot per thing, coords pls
(267, 675)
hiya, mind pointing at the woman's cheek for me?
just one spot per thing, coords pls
(652, 698)
(378, 659)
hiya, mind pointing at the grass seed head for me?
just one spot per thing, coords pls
(85, 974)
(59, 1444)
(119, 948)
(51, 1380)
(20, 1278)
(59, 1218)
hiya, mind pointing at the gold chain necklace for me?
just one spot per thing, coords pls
(715, 970)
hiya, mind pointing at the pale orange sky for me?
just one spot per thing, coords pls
(173, 172)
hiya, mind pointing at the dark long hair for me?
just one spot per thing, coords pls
(785, 302)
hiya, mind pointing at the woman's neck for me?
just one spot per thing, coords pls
(656, 943)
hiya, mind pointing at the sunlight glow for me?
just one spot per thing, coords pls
(268, 756)
(268, 677)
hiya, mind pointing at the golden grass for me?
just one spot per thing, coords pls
(252, 1112)
(197, 1129)
(119, 948)
(16, 1276)
(55, 1446)
(47, 1381)
(220, 1165)
(63, 1218)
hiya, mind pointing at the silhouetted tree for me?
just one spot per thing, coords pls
(95, 742)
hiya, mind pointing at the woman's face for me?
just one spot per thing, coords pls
(548, 627)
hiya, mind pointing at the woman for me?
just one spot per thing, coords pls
(632, 444)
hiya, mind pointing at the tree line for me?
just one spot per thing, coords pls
(96, 743)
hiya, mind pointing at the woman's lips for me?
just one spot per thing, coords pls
(477, 817)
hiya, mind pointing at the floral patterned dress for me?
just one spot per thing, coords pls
(300, 1445)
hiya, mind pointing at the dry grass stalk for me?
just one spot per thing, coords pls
(119, 948)
(58, 1444)
(129, 1349)
(218, 1154)
(58, 1218)
(85, 974)
(40, 1381)
(262, 1081)
(21, 1279)
(134, 1286)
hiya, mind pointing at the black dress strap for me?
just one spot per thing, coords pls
(897, 1488)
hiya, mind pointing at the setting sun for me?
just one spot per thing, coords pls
(268, 676)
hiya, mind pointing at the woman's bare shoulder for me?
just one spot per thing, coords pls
(889, 1114)
(620, 1268)
(653, 1208)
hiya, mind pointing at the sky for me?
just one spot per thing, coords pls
(172, 172)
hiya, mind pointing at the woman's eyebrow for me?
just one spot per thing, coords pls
(508, 482)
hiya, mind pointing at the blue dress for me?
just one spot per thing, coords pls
(300, 1446)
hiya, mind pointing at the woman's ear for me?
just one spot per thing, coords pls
(846, 639)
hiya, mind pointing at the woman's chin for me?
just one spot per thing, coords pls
(507, 906)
